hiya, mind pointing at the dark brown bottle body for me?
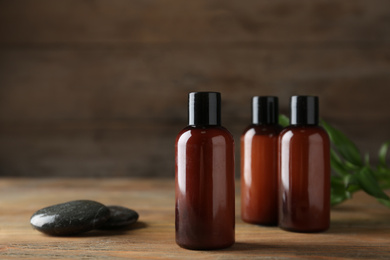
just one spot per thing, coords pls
(304, 179)
(205, 206)
(259, 174)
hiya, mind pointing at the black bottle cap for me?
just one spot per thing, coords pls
(204, 108)
(304, 110)
(265, 110)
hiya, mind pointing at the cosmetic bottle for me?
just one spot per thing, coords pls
(205, 201)
(259, 156)
(304, 170)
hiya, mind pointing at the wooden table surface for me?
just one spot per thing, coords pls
(360, 228)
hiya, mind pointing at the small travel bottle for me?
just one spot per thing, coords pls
(259, 156)
(204, 151)
(304, 170)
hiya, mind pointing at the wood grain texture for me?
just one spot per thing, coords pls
(320, 22)
(359, 227)
(152, 84)
(113, 149)
(94, 87)
(109, 149)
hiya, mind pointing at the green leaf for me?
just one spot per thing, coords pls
(383, 153)
(367, 159)
(338, 192)
(283, 120)
(335, 199)
(383, 177)
(385, 202)
(337, 164)
(346, 148)
(351, 184)
(337, 182)
(369, 184)
(353, 188)
(350, 166)
(350, 179)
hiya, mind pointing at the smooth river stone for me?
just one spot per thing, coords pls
(120, 217)
(70, 218)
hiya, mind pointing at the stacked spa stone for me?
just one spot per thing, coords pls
(75, 217)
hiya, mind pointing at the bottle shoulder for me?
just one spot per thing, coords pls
(270, 130)
(201, 133)
(303, 130)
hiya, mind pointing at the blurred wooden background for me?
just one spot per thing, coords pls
(99, 88)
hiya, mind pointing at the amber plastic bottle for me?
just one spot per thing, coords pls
(259, 175)
(205, 210)
(304, 170)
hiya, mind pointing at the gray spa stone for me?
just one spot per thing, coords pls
(120, 217)
(70, 218)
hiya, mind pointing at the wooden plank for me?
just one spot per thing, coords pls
(145, 151)
(359, 227)
(119, 149)
(83, 84)
(152, 83)
(283, 22)
(116, 112)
